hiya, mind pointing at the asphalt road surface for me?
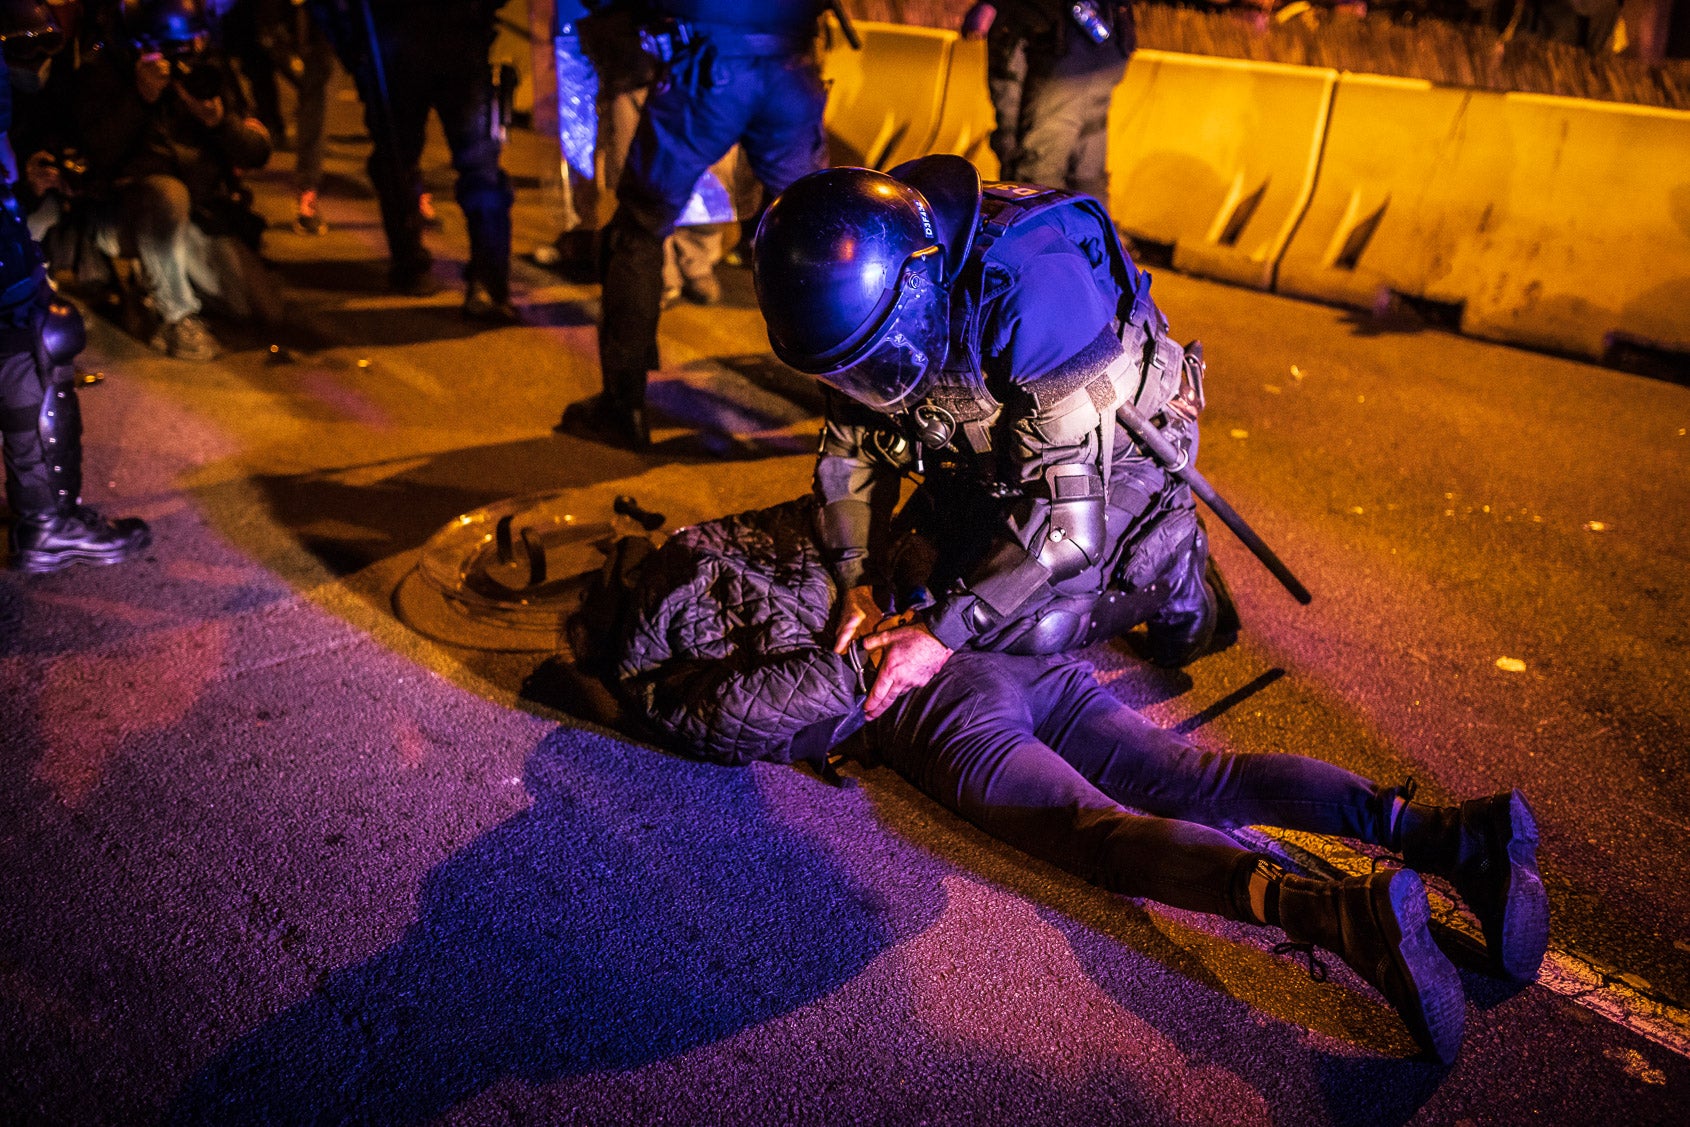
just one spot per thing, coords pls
(272, 856)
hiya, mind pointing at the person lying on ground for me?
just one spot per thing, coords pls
(719, 645)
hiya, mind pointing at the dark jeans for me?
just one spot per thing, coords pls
(309, 127)
(181, 263)
(433, 62)
(1036, 753)
(772, 107)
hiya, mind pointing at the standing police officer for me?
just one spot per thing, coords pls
(39, 337)
(408, 57)
(737, 71)
(985, 341)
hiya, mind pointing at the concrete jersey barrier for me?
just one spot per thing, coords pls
(1216, 158)
(967, 118)
(1553, 222)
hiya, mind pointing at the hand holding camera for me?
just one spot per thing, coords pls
(60, 172)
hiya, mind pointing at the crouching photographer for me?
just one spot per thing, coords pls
(163, 121)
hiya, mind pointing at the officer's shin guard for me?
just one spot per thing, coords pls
(51, 528)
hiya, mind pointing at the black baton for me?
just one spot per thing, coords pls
(845, 24)
(1179, 465)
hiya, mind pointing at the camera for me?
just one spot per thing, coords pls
(73, 170)
(202, 78)
(177, 30)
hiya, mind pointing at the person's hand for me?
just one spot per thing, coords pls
(42, 172)
(977, 21)
(859, 614)
(209, 111)
(909, 657)
(8, 162)
(152, 76)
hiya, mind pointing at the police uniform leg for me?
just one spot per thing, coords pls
(784, 139)
(42, 424)
(685, 128)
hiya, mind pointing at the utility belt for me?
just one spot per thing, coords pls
(667, 39)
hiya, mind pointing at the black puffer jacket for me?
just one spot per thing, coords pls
(724, 643)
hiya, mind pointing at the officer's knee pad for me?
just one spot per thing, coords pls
(1055, 631)
(61, 334)
(1078, 531)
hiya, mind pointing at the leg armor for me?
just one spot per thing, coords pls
(42, 421)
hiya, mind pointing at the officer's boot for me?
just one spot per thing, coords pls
(607, 418)
(1198, 610)
(1487, 848)
(51, 528)
(1377, 924)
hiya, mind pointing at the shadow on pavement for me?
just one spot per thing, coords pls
(353, 517)
(574, 937)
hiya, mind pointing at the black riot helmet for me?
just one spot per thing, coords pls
(173, 28)
(853, 271)
(30, 31)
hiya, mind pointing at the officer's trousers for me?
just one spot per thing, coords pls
(1034, 752)
(772, 107)
(43, 463)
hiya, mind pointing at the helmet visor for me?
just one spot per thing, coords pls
(891, 369)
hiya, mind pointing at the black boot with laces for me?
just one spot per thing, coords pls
(1487, 848)
(1377, 924)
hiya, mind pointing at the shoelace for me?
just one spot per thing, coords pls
(1316, 967)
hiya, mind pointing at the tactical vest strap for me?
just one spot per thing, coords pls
(1149, 381)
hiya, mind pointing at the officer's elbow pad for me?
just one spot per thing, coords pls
(1077, 532)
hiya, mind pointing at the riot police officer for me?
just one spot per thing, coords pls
(985, 340)
(408, 57)
(735, 72)
(39, 337)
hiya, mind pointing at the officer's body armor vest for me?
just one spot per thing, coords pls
(958, 403)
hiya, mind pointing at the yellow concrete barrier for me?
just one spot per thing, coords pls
(884, 102)
(1553, 222)
(966, 119)
(1216, 158)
